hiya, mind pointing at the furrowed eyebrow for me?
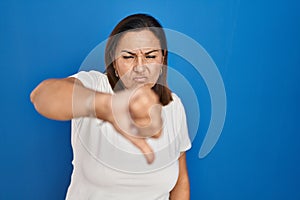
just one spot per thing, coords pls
(155, 50)
(131, 53)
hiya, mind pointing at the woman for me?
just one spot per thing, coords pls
(129, 132)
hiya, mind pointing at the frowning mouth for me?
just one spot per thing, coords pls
(140, 79)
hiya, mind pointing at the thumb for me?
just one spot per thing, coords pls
(144, 147)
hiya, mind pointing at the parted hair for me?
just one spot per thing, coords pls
(138, 22)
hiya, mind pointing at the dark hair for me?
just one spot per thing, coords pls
(138, 22)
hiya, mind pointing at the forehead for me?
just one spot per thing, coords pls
(144, 39)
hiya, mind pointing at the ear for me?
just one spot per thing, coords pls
(114, 65)
(164, 53)
(116, 69)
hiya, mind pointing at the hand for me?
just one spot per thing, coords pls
(136, 114)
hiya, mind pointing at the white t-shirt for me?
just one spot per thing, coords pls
(109, 167)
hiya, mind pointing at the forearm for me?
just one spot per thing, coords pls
(181, 191)
(64, 99)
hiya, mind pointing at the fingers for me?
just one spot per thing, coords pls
(156, 121)
(145, 111)
(141, 101)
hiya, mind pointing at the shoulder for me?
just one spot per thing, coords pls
(94, 80)
(90, 74)
(175, 106)
(176, 100)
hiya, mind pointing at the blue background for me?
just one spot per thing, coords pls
(255, 44)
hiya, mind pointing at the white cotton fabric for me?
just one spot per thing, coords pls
(109, 167)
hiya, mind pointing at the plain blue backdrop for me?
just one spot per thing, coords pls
(255, 44)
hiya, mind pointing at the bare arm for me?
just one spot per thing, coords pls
(64, 99)
(181, 191)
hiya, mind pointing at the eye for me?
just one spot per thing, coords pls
(150, 56)
(127, 57)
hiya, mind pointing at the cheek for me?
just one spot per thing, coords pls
(121, 68)
(155, 70)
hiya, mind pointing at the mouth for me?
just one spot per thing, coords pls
(140, 79)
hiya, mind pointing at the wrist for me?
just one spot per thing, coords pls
(102, 106)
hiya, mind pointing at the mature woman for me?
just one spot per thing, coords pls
(129, 132)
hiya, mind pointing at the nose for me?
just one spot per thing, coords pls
(140, 64)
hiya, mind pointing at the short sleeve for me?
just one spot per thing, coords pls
(94, 80)
(185, 143)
